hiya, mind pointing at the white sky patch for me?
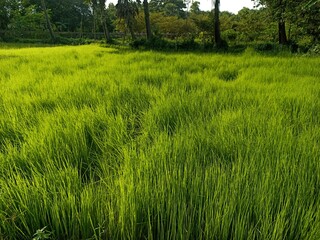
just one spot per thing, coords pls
(225, 5)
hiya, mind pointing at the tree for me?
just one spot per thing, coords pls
(173, 25)
(280, 15)
(278, 10)
(147, 19)
(4, 16)
(253, 25)
(28, 19)
(94, 8)
(195, 7)
(44, 7)
(8, 10)
(217, 33)
(303, 15)
(66, 15)
(311, 3)
(169, 7)
(100, 15)
(128, 10)
(103, 20)
(309, 19)
(111, 13)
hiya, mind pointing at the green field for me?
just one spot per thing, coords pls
(101, 143)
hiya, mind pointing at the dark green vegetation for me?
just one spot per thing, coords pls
(162, 24)
(96, 143)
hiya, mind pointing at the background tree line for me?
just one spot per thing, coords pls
(284, 21)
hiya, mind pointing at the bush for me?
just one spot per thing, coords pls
(32, 41)
(238, 48)
(188, 44)
(58, 40)
(154, 43)
(293, 46)
(230, 34)
(305, 43)
(70, 41)
(314, 50)
(138, 43)
(159, 43)
(223, 45)
(264, 47)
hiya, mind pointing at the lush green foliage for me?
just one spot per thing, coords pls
(100, 143)
(294, 23)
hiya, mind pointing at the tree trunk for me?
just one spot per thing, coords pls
(282, 32)
(103, 19)
(94, 9)
(44, 7)
(282, 24)
(147, 18)
(106, 32)
(129, 24)
(217, 34)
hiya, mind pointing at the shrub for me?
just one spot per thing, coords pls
(263, 47)
(305, 43)
(293, 46)
(138, 43)
(314, 50)
(188, 44)
(239, 48)
(223, 45)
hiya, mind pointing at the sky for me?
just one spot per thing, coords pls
(225, 5)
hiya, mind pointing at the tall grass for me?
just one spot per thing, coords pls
(97, 143)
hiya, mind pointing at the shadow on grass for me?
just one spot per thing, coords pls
(167, 47)
(237, 49)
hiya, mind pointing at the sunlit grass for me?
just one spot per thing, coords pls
(99, 143)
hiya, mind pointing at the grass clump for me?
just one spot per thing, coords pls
(228, 75)
(97, 143)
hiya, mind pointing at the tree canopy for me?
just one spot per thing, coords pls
(281, 21)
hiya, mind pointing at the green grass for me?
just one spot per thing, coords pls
(97, 143)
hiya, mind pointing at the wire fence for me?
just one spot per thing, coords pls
(13, 34)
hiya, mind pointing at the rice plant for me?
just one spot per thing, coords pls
(100, 143)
